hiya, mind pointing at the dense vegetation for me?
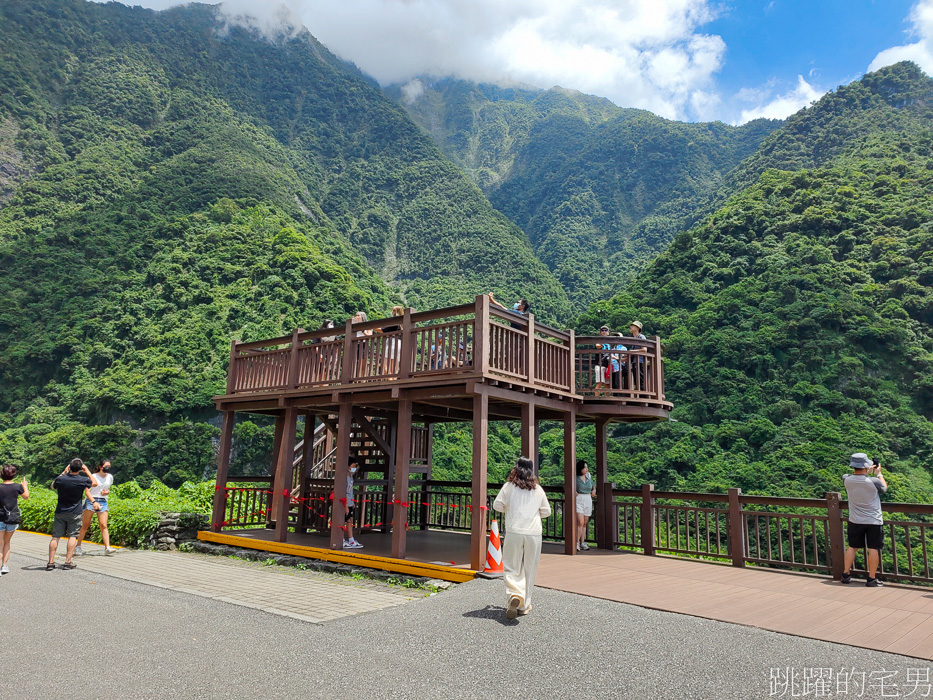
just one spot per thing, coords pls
(798, 319)
(167, 187)
(600, 190)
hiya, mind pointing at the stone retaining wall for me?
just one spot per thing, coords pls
(176, 528)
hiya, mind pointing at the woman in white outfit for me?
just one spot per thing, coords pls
(524, 503)
(96, 502)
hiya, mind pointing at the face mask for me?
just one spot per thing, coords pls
(353, 470)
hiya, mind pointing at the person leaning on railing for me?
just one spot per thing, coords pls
(638, 364)
(866, 522)
(393, 346)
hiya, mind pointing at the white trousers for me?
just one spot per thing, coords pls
(520, 557)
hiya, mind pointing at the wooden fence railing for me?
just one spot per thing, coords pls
(806, 534)
(479, 339)
(619, 367)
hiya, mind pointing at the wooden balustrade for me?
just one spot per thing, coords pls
(424, 345)
(623, 368)
(794, 533)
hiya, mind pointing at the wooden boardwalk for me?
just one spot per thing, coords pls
(896, 619)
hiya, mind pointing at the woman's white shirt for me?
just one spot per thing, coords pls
(103, 481)
(523, 508)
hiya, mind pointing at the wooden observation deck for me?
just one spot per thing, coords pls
(376, 389)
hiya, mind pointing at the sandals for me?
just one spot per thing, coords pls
(69, 565)
(50, 566)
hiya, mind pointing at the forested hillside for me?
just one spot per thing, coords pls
(167, 186)
(600, 190)
(798, 319)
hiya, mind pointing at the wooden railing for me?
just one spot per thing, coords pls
(619, 367)
(806, 534)
(428, 345)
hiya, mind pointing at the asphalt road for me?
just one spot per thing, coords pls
(82, 635)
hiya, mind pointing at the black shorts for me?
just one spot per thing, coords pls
(867, 536)
(351, 511)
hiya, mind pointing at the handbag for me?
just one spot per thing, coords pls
(10, 517)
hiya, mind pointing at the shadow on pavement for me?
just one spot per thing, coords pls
(492, 612)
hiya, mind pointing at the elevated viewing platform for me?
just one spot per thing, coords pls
(471, 346)
(375, 389)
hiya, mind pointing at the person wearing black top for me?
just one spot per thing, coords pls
(71, 485)
(9, 512)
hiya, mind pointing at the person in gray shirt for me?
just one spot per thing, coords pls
(865, 530)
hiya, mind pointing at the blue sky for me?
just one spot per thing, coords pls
(696, 60)
(828, 42)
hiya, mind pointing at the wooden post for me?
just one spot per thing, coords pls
(407, 350)
(530, 362)
(232, 367)
(528, 431)
(647, 519)
(346, 370)
(836, 544)
(223, 469)
(658, 381)
(402, 471)
(603, 514)
(341, 472)
(282, 489)
(478, 491)
(570, 483)
(736, 529)
(425, 489)
(537, 445)
(272, 504)
(307, 462)
(292, 380)
(572, 370)
(481, 335)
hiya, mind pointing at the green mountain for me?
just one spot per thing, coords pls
(798, 318)
(600, 190)
(167, 183)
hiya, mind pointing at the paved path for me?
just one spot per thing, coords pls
(897, 619)
(81, 634)
(308, 596)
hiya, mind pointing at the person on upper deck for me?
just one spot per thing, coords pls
(522, 307)
(393, 346)
(638, 377)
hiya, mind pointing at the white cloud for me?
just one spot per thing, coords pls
(921, 51)
(651, 54)
(772, 106)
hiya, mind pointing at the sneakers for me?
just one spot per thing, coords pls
(109, 551)
(78, 550)
(578, 546)
(846, 578)
(69, 565)
(524, 611)
(512, 612)
(873, 583)
(585, 547)
(4, 570)
(352, 544)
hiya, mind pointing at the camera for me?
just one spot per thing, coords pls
(875, 462)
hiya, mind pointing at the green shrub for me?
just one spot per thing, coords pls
(135, 512)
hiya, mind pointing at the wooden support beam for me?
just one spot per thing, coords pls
(272, 505)
(480, 443)
(307, 462)
(570, 483)
(367, 427)
(223, 469)
(604, 513)
(530, 361)
(402, 464)
(284, 473)
(528, 433)
(341, 472)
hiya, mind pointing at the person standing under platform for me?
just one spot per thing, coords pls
(524, 503)
(349, 503)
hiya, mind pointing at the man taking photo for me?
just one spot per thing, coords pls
(70, 485)
(865, 531)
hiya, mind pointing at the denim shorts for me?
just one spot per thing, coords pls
(89, 505)
(8, 527)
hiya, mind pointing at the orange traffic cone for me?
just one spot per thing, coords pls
(494, 553)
